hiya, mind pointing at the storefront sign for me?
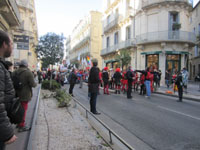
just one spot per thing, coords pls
(22, 42)
(176, 52)
(151, 53)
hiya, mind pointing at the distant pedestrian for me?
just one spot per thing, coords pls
(167, 77)
(93, 84)
(7, 92)
(105, 77)
(39, 74)
(25, 93)
(148, 82)
(72, 81)
(179, 83)
(117, 80)
(129, 76)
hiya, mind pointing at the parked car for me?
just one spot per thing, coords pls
(197, 78)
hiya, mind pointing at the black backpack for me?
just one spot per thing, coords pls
(16, 81)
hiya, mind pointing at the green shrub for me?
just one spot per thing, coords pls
(63, 98)
(54, 85)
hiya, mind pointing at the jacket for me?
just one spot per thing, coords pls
(105, 77)
(7, 94)
(27, 79)
(93, 80)
(129, 76)
(117, 77)
(73, 78)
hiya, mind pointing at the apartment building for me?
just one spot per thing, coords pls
(26, 36)
(68, 48)
(195, 27)
(86, 39)
(160, 33)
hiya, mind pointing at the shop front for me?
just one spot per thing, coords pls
(112, 64)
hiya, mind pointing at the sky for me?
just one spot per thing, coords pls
(61, 16)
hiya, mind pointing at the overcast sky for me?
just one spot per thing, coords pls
(61, 16)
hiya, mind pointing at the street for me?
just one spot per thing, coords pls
(158, 123)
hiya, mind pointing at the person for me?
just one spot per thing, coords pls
(129, 77)
(81, 78)
(39, 74)
(142, 86)
(148, 82)
(93, 84)
(105, 77)
(25, 93)
(179, 83)
(72, 81)
(117, 79)
(167, 77)
(7, 92)
(185, 76)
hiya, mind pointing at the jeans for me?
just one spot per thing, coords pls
(148, 88)
(167, 83)
(2, 145)
(93, 100)
(71, 89)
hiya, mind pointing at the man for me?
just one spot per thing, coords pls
(105, 77)
(179, 83)
(72, 81)
(185, 76)
(25, 93)
(7, 92)
(93, 83)
(129, 76)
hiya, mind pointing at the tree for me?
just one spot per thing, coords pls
(124, 58)
(50, 49)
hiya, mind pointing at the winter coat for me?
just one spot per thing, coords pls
(93, 80)
(117, 77)
(105, 77)
(129, 76)
(179, 81)
(27, 79)
(7, 94)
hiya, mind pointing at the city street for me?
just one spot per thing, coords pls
(158, 123)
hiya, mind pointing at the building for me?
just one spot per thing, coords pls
(195, 27)
(160, 33)
(86, 40)
(26, 36)
(68, 48)
(9, 17)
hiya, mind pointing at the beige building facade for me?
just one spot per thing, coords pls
(160, 34)
(86, 40)
(195, 27)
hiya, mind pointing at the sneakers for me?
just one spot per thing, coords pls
(24, 129)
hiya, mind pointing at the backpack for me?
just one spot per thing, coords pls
(16, 81)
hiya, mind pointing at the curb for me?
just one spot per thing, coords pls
(184, 97)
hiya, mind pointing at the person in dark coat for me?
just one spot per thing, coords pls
(7, 92)
(117, 79)
(179, 83)
(105, 77)
(93, 84)
(72, 81)
(129, 76)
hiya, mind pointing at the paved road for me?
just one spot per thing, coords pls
(159, 123)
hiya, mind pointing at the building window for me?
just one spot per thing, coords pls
(116, 38)
(194, 70)
(174, 18)
(128, 32)
(107, 42)
(196, 52)
(173, 63)
(152, 61)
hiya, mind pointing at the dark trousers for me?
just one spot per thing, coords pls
(71, 88)
(180, 92)
(142, 89)
(129, 89)
(93, 100)
(2, 145)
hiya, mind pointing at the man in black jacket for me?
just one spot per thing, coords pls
(179, 83)
(7, 92)
(72, 81)
(129, 76)
(93, 83)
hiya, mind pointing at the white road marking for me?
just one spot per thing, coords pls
(180, 113)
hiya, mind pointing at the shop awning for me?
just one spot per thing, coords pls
(110, 61)
(176, 52)
(151, 53)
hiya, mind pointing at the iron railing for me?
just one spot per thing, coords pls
(113, 23)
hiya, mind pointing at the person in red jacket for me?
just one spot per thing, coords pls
(105, 77)
(124, 82)
(142, 86)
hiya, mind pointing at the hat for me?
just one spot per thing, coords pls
(105, 68)
(118, 70)
(24, 63)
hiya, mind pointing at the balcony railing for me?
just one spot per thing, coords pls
(114, 48)
(113, 23)
(174, 36)
(83, 41)
(15, 8)
(151, 2)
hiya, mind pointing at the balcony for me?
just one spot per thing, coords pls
(82, 42)
(146, 3)
(113, 24)
(9, 10)
(166, 36)
(125, 44)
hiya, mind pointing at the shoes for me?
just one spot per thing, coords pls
(129, 97)
(96, 113)
(23, 129)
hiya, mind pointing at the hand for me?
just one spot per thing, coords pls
(11, 140)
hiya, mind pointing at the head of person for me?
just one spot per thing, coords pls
(6, 46)
(148, 69)
(94, 62)
(105, 68)
(129, 68)
(23, 63)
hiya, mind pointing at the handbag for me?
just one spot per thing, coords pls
(15, 111)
